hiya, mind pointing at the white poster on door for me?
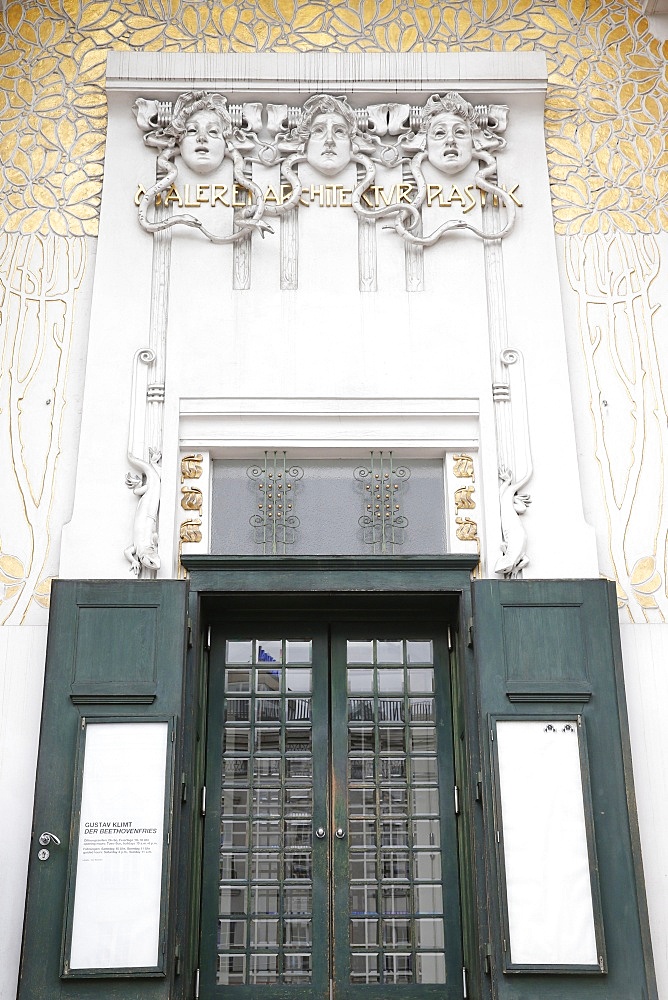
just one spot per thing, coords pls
(116, 914)
(548, 878)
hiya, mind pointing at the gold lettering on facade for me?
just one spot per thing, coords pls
(327, 196)
(456, 195)
(187, 200)
(380, 195)
(512, 195)
(434, 191)
(173, 195)
(324, 193)
(237, 192)
(342, 194)
(317, 191)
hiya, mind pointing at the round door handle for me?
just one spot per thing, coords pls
(320, 832)
(339, 833)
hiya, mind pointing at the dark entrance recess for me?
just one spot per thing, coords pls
(343, 770)
(331, 831)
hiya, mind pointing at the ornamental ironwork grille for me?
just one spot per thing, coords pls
(383, 521)
(320, 511)
(275, 523)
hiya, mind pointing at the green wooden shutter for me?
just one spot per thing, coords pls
(549, 650)
(115, 651)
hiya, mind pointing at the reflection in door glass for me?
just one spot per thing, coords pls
(397, 930)
(265, 894)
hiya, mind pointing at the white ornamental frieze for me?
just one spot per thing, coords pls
(327, 132)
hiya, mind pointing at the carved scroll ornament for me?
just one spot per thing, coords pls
(514, 446)
(328, 134)
(145, 483)
(513, 556)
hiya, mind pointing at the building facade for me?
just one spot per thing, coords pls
(331, 397)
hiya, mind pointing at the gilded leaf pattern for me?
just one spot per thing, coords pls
(606, 108)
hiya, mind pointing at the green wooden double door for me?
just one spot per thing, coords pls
(330, 855)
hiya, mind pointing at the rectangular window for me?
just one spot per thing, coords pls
(371, 505)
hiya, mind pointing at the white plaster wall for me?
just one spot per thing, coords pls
(118, 327)
(22, 652)
(561, 543)
(645, 653)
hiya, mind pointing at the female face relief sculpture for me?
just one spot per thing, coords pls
(202, 147)
(449, 142)
(328, 148)
(449, 123)
(327, 129)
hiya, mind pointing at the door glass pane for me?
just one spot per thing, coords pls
(364, 967)
(231, 970)
(265, 890)
(298, 651)
(396, 932)
(390, 681)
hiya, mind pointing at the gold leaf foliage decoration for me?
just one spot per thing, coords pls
(40, 279)
(42, 592)
(607, 101)
(12, 576)
(646, 581)
(612, 276)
